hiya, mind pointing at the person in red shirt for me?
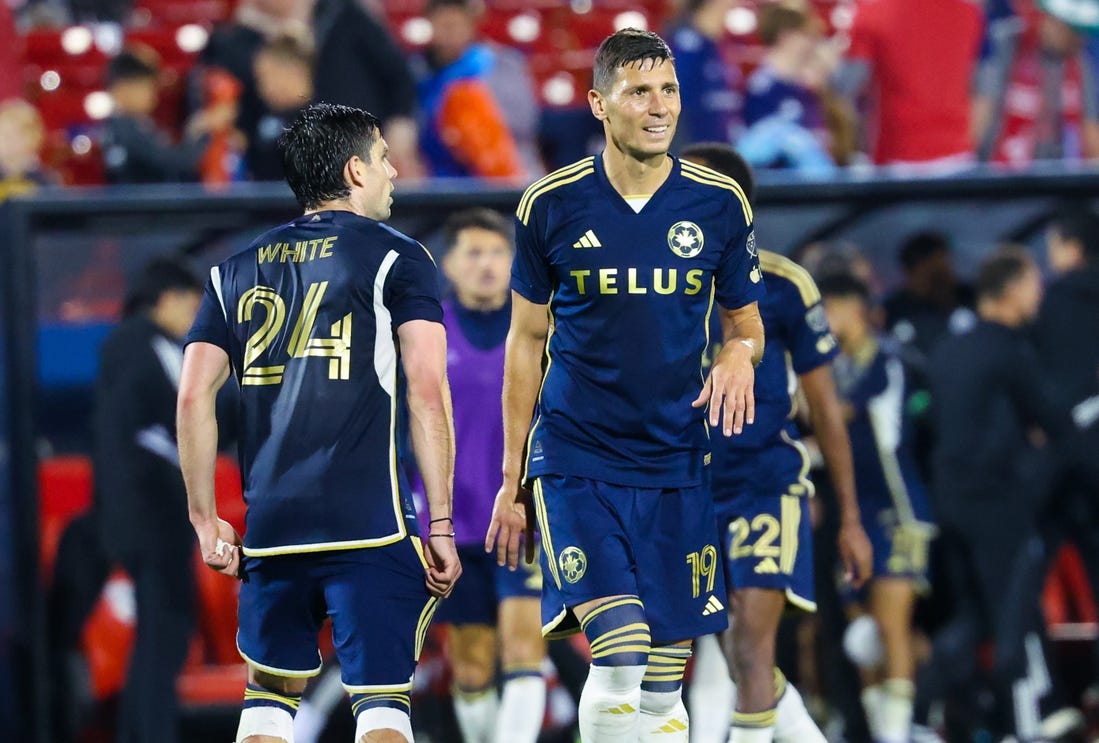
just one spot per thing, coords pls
(920, 57)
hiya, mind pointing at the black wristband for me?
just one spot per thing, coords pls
(444, 518)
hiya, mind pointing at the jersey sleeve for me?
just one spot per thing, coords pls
(412, 291)
(738, 278)
(530, 272)
(812, 344)
(211, 324)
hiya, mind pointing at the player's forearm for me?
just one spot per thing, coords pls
(197, 431)
(431, 426)
(744, 326)
(826, 418)
(522, 378)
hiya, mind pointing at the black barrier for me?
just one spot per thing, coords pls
(55, 230)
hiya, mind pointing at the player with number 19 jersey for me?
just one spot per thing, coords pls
(308, 312)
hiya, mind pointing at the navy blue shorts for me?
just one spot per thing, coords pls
(763, 517)
(600, 540)
(484, 585)
(900, 535)
(376, 598)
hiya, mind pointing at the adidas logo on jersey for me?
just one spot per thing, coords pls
(589, 240)
(713, 606)
(767, 566)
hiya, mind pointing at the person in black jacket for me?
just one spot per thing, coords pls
(140, 501)
(134, 149)
(991, 401)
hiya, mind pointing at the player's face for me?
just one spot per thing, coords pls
(375, 182)
(847, 317)
(640, 111)
(1064, 255)
(1026, 293)
(176, 309)
(479, 266)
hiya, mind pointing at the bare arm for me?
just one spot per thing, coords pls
(827, 417)
(729, 388)
(205, 369)
(524, 350)
(423, 356)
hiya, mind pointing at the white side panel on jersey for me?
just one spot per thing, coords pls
(385, 352)
(215, 279)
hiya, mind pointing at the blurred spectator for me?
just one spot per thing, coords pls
(477, 101)
(233, 47)
(919, 56)
(989, 391)
(784, 118)
(284, 79)
(134, 150)
(1037, 97)
(359, 64)
(931, 299)
(139, 496)
(21, 135)
(222, 160)
(708, 86)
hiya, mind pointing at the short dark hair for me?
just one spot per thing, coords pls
(725, 160)
(1000, 269)
(920, 246)
(317, 145)
(843, 286)
(623, 48)
(775, 18)
(162, 274)
(1076, 221)
(131, 64)
(476, 218)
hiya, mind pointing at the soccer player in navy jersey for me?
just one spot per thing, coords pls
(761, 486)
(894, 505)
(620, 258)
(311, 319)
(492, 607)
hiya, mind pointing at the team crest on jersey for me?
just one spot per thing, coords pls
(686, 239)
(816, 319)
(750, 244)
(574, 563)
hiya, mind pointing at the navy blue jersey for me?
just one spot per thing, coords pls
(631, 296)
(308, 315)
(872, 383)
(798, 341)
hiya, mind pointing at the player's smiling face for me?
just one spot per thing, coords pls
(641, 109)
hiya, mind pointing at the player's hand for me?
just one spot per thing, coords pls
(856, 553)
(512, 523)
(729, 390)
(443, 565)
(221, 546)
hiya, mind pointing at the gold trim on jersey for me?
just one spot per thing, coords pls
(806, 464)
(544, 529)
(541, 386)
(785, 268)
(281, 671)
(562, 177)
(709, 177)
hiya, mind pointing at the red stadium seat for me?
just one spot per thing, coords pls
(171, 13)
(64, 492)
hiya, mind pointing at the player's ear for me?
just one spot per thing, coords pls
(598, 104)
(354, 171)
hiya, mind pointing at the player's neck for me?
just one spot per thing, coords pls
(632, 177)
(853, 343)
(1000, 313)
(336, 205)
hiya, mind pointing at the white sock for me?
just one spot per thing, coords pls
(663, 717)
(793, 724)
(753, 727)
(610, 705)
(476, 713)
(522, 707)
(710, 695)
(872, 697)
(895, 711)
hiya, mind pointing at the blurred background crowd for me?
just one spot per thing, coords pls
(900, 94)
